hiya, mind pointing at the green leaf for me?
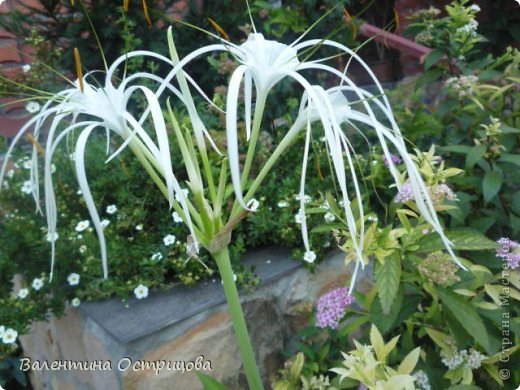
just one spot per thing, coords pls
(464, 387)
(409, 362)
(510, 158)
(388, 277)
(428, 77)
(385, 322)
(509, 130)
(468, 240)
(491, 184)
(466, 315)
(474, 154)
(209, 383)
(432, 57)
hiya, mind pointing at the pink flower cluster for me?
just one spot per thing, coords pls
(509, 251)
(331, 307)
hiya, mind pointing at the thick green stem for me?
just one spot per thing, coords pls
(237, 317)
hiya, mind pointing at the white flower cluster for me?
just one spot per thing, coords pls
(8, 335)
(463, 85)
(469, 28)
(471, 360)
(421, 380)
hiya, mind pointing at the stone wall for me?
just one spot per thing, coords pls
(181, 325)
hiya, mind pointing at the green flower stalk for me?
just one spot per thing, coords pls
(262, 63)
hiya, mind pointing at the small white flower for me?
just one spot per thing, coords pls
(32, 107)
(299, 217)
(157, 256)
(37, 283)
(73, 279)
(139, 227)
(72, 156)
(253, 204)
(309, 256)
(52, 237)
(22, 293)
(474, 7)
(27, 164)
(372, 218)
(111, 209)
(425, 231)
(10, 173)
(141, 291)
(169, 240)
(105, 223)
(9, 336)
(82, 225)
(326, 244)
(79, 192)
(75, 302)
(184, 191)
(176, 217)
(27, 187)
(82, 249)
(26, 68)
(306, 198)
(282, 204)
(329, 217)
(79, 237)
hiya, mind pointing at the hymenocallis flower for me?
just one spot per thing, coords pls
(261, 64)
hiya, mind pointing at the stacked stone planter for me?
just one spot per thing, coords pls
(155, 343)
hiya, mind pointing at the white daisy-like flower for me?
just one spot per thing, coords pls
(253, 204)
(141, 291)
(9, 336)
(176, 217)
(309, 256)
(169, 240)
(73, 279)
(282, 204)
(111, 209)
(27, 187)
(26, 68)
(105, 223)
(139, 227)
(75, 302)
(22, 293)
(27, 164)
(185, 193)
(37, 283)
(82, 249)
(329, 217)
(52, 237)
(82, 225)
(32, 107)
(157, 256)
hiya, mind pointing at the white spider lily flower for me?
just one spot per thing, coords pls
(86, 107)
